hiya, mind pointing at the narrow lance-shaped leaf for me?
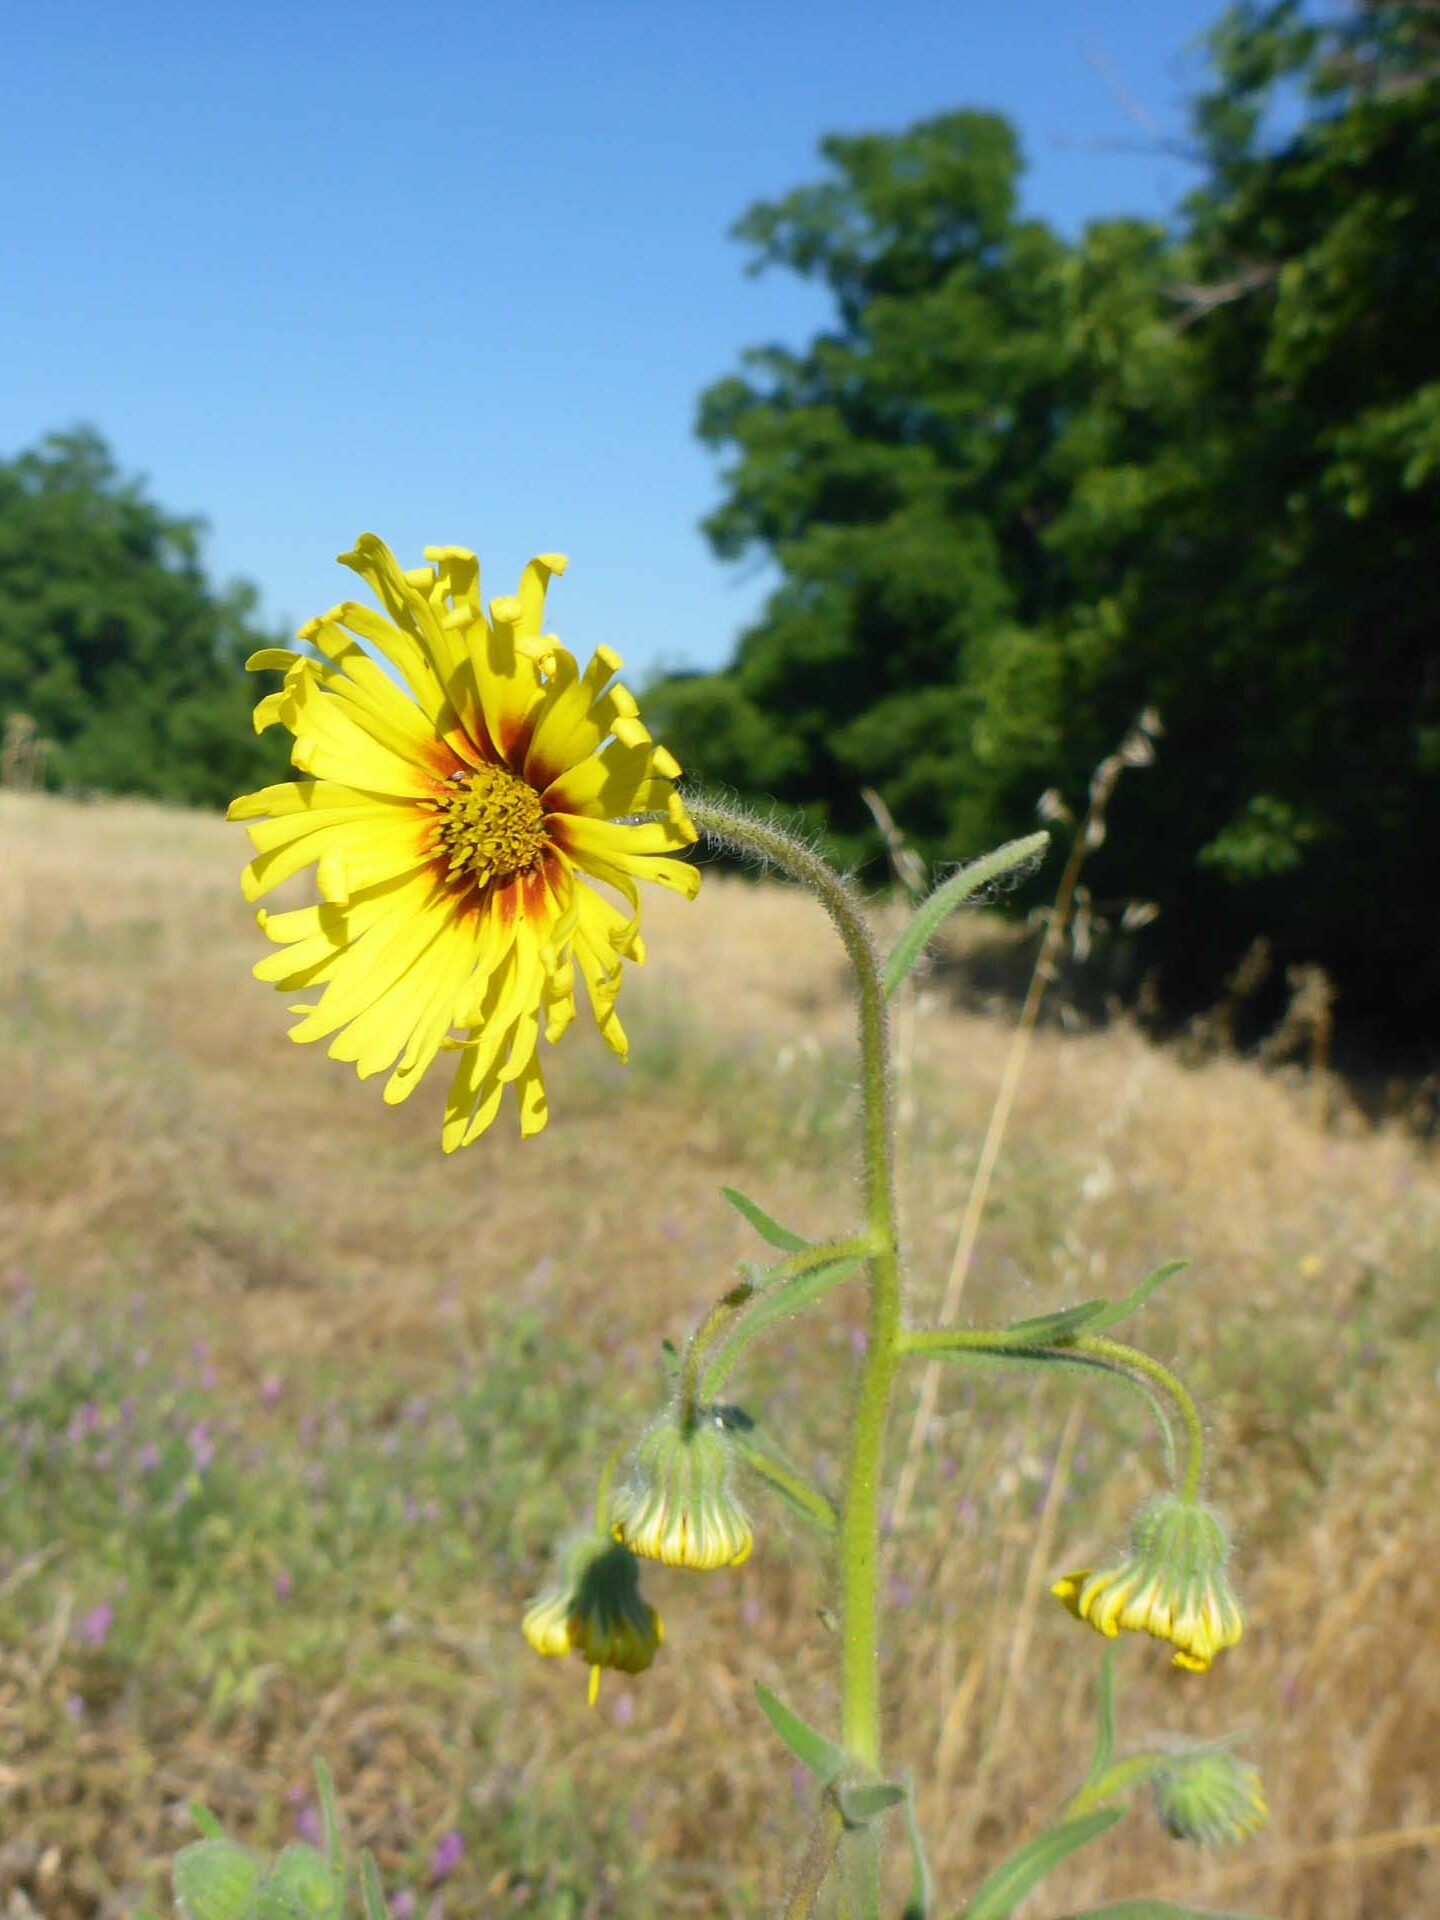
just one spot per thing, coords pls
(1155, 1910)
(1008, 1885)
(953, 893)
(814, 1752)
(769, 1230)
(1063, 1324)
(922, 1884)
(329, 1818)
(1104, 1719)
(1111, 1316)
(372, 1894)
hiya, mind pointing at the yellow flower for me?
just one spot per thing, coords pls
(1172, 1585)
(456, 825)
(679, 1508)
(597, 1611)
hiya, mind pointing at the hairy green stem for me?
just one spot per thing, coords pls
(1091, 1349)
(784, 1288)
(714, 1323)
(1115, 1780)
(820, 1854)
(860, 1513)
(1120, 1355)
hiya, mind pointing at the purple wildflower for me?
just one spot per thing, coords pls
(96, 1625)
(449, 1850)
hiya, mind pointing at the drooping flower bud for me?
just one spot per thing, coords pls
(678, 1508)
(1210, 1797)
(596, 1610)
(1172, 1585)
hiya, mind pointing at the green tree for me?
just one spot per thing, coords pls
(113, 641)
(1021, 488)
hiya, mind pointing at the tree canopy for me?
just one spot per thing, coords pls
(112, 640)
(1022, 487)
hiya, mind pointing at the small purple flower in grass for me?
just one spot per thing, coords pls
(307, 1822)
(96, 1624)
(448, 1853)
(75, 1706)
(402, 1905)
(148, 1458)
(284, 1585)
(202, 1447)
(271, 1387)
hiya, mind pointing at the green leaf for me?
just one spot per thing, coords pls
(922, 1884)
(789, 1296)
(814, 1752)
(769, 1230)
(1064, 1324)
(205, 1821)
(953, 893)
(860, 1805)
(214, 1880)
(372, 1894)
(303, 1877)
(329, 1818)
(1112, 1315)
(1037, 1358)
(1155, 1910)
(1007, 1886)
(1104, 1719)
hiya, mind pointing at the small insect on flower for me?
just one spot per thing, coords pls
(456, 825)
(596, 1610)
(678, 1508)
(1172, 1585)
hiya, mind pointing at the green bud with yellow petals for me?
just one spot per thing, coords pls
(1172, 1585)
(679, 1507)
(1210, 1797)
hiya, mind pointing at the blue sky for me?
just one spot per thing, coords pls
(457, 273)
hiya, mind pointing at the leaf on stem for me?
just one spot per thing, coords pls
(1049, 1328)
(1104, 1719)
(1112, 1315)
(1007, 1886)
(860, 1805)
(769, 1230)
(953, 893)
(1154, 1910)
(372, 1894)
(922, 1884)
(814, 1752)
(329, 1818)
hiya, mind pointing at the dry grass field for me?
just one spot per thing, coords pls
(293, 1408)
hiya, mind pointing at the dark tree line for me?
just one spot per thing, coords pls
(1020, 488)
(113, 643)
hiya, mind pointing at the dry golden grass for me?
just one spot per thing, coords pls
(159, 1130)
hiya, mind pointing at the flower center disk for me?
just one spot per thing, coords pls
(491, 824)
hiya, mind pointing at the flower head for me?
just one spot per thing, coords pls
(1209, 1796)
(456, 824)
(596, 1610)
(679, 1509)
(1172, 1584)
